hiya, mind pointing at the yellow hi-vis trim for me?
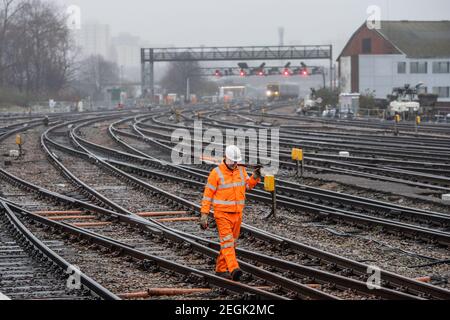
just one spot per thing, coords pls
(18, 139)
(418, 120)
(269, 183)
(397, 118)
(227, 245)
(297, 154)
(227, 238)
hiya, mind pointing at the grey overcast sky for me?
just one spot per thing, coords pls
(249, 22)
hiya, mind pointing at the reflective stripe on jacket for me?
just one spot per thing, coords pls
(225, 189)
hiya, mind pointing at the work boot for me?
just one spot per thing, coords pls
(237, 274)
(224, 275)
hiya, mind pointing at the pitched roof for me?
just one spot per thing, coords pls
(418, 39)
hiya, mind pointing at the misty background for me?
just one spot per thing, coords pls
(249, 22)
(183, 23)
(74, 50)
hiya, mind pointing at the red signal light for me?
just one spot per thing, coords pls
(217, 73)
(242, 73)
(286, 73)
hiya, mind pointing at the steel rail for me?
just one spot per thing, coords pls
(348, 168)
(304, 188)
(57, 262)
(335, 148)
(153, 228)
(301, 289)
(152, 261)
(284, 140)
(366, 123)
(412, 230)
(260, 233)
(361, 287)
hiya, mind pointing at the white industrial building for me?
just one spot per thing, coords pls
(399, 53)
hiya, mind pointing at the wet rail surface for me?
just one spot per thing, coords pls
(422, 175)
(182, 223)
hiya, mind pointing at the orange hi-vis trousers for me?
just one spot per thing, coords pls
(229, 227)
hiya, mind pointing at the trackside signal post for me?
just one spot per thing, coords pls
(397, 120)
(418, 120)
(269, 186)
(297, 155)
(19, 142)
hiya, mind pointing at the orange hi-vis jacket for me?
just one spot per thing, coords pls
(226, 188)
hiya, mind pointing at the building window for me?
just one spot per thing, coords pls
(442, 92)
(419, 67)
(401, 67)
(441, 67)
(367, 45)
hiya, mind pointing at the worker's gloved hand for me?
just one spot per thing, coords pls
(204, 221)
(257, 174)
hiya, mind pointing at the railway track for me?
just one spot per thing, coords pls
(283, 263)
(192, 228)
(376, 124)
(249, 267)
(31, 268)
(340, 167)
(71, 221)
(366, 146)
(384, 173)
(83, 214)
(348, 201)
(413, 161)
(437, 224)
(133, 272)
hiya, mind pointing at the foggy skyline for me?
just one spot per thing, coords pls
(249, 22)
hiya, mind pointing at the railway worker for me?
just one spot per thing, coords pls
(225, 191)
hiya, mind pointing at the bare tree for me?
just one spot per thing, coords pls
(35, 47)
(175, 79)
(8, 12)
(94, 74)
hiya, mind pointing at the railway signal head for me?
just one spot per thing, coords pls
(286, 72)
(243, 73)
(217, 73)
(304, 72)
(243, 65)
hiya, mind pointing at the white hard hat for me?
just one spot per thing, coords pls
(233, 153)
